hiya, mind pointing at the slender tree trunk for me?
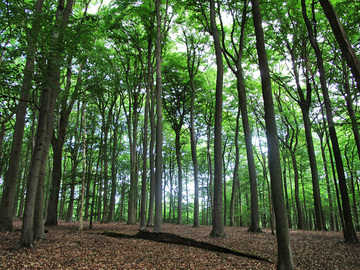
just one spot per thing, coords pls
(159, 127)
(145, 148)
(300, 224)
(180, 191)
(81, 221)
(7, 200)
(150, 221)
(349, 231)
(236, 168)
(194, 155)
(105, 171)
(284, 250)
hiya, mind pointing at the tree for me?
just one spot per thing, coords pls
(8, 196)
(49, 95)
(235, 62)
(284, 250)
(349, 231)
(217, 219)
(159, 122)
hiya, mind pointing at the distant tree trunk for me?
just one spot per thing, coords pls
(349, 231)
(75, 163)
(180, 185)
(8, 196)
(114, 171)
(217, 211)
(88, 180)
(236, 168)
(159, 126)
(145, 150)
(194, 157)
(81, 221)
(150, 221)
(285, 260)
(348, 52)
(105, 170)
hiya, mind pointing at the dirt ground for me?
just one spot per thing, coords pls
(67, 248)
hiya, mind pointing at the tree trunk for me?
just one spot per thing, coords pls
(217, 211)
(81, 221)
(145, 146)
(8, 196)
(159, 126)
(180, 185)
(284, 250)
(349, 231)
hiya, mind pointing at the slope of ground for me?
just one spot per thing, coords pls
(67, 248)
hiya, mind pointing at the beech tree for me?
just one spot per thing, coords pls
(282, 228)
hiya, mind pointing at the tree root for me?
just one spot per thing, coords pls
(179, 240)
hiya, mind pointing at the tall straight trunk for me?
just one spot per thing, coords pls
(75, 163)
(217, 211)
(285, 260)
(159, 126)
(145, 146)
(8, 196)
(194, 156)
(236, 168)
(89, 151)
(150, 221)
(82, 199)
(105, 172)
(349, 231)
(113, 175)
(348, 52)
(180, 185)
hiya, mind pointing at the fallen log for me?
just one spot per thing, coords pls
(179, 240)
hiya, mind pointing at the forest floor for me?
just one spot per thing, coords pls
(67, 248)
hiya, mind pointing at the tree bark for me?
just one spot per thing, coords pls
(285, 260)
(159, 126)
(217, 211)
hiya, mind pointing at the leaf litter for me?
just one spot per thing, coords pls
(67, 248)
